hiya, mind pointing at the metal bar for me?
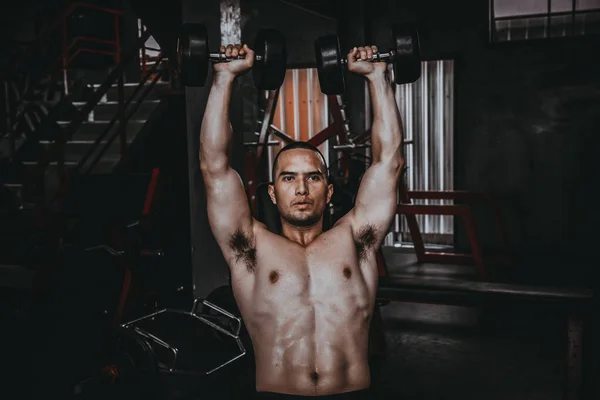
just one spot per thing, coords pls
(9, 128)
(96, 7)
(471, 228)
(310, 100)
(269, 143)
(573, 381)
(541, 15)
(96, 40)
(322, 136)
(121, 114)
(291, 4)
(549, 17)
(460, 195)
(432, 209)
(296, 103)
(91, 51)
(411, 221)
(65, 62)
(123, 295)
(492, 33)
(573, 7)
(338, 119)
(280, 134)
(117, 41)
(267, 120)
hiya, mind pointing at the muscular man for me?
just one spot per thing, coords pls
(306, 296)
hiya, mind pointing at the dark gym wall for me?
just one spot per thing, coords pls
(208, 266)
(526, 127)
(299, 26)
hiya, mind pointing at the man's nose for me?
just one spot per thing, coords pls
(301, 187)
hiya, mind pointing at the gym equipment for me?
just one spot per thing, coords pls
(182, 341)
(223, 298)
(168, 341)
(194, 58)
(405, 57)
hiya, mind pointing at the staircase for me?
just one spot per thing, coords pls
(82, 148)
(95, 118)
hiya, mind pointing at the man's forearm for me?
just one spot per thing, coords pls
(386, 132)
(215, 133)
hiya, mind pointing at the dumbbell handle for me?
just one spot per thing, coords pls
(389, 56)
(220, 57)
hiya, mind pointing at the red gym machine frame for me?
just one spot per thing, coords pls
(339, 128)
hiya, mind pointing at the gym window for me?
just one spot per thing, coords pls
(427, 110)
(515, 20)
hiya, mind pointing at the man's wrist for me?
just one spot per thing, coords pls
(378, 80)
(223, 78)
(378, 77)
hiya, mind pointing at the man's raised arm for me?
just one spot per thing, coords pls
(228, 210)
(376, 200)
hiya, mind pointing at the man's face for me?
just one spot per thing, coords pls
(300, 189)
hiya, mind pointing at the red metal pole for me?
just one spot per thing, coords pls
(65, 61)
(117, 41)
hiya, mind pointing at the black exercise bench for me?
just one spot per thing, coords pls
(575, 302)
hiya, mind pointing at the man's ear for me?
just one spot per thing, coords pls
(329, 192)
(272, 193)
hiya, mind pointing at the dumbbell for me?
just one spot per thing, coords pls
(405, 55)
(194, 57)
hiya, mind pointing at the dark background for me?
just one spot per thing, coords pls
(526, 119)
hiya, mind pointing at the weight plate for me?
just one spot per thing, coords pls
(329, 65)
(269, 71)
(133, 354)
(223, 297)
(407, 62)
(193, 54)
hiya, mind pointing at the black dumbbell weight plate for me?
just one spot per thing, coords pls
(192, 54)
(270, 67)
(407, 62)
(329, 65)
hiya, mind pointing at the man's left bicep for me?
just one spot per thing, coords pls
(377, 197)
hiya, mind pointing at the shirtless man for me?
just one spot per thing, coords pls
(306, 296)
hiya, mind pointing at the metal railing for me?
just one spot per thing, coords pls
(15, 99)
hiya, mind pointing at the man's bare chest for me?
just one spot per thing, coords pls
(331, 263)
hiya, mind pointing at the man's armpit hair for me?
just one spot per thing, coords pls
(365, 239)
(244, 251)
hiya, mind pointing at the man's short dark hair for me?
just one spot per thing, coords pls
(297, 145)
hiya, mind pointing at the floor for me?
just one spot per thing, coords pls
(433, 351)
(450, 352)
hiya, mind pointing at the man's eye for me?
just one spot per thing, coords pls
(315, 177)
(287, 178)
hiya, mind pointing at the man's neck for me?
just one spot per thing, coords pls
(303, 235)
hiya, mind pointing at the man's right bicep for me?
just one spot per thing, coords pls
(227, 205)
